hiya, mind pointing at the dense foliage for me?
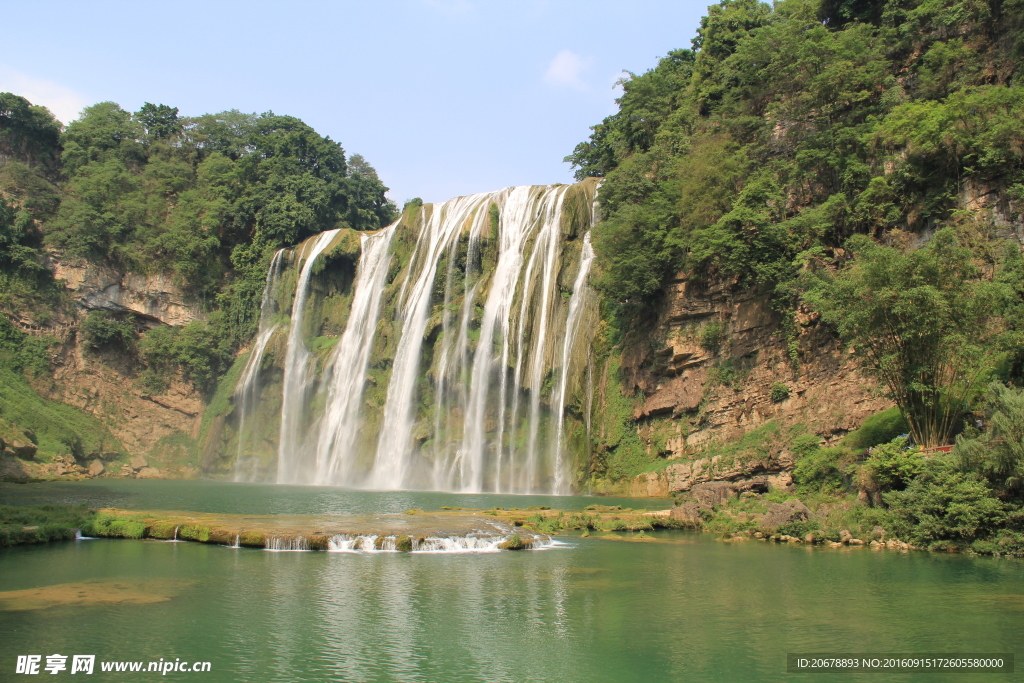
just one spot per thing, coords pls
(788, 128)
(206, 199)
(924, 319)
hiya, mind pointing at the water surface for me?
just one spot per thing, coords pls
(683, 607)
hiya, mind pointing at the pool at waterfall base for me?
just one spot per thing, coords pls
(668, 606)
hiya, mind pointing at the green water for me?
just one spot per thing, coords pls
(277, 499)
(684, 607)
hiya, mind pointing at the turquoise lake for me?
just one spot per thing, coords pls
(678, 607)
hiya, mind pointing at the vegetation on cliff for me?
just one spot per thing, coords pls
(788, 128)
(863, 161)
(206, 199)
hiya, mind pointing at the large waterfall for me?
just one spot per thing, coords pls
(448, 351)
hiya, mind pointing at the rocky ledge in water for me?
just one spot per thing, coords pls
(413, 531)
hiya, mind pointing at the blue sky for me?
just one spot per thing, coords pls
(443, 97)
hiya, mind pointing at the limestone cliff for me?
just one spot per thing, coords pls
(714, 366)
(105, 383)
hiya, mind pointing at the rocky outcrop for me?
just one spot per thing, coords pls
(784, 513)
(109, 389)
(152, 297)
(708, 380)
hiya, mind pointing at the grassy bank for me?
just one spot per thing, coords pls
(22, 525)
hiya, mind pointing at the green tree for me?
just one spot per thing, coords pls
(28, 133)
(104, 131)
(944, 505)
(998, 452)
(159, 120)
(922, 319)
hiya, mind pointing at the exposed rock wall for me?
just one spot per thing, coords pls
(105, 383)
(707, 364)
(106, 387)
(153, 297)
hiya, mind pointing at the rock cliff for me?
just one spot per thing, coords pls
(715, 367)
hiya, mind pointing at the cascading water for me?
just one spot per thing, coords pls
(463, 343)
(335, 454)
(576, 307)
(248, 386)
(297, 367)
(392, 463)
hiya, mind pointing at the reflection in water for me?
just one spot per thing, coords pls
(279, 499)
(591, 611)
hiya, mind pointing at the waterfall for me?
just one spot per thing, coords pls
(346, 370)
(579, 292)
(297, 366)
(248, 386)
(395, 444)
(468, 320)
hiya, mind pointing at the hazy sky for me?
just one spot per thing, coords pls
(443, 97)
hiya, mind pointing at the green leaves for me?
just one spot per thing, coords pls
(924, 319)
(998, 452)
(945, 505)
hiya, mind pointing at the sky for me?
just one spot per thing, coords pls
(443, 97)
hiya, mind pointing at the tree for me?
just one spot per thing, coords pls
(103, 132)
(160, 120)
(368, 205)
(998, 452)
(28, 133)
(923, 319)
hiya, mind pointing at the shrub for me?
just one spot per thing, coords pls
(997, 453)
(197, 350)
(879, 428)
(821, 469)
(894, 465)
(944, 505)
(711, 336)
(779, 393)
(101, 329)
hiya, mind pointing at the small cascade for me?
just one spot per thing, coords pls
(248, 387)
(460, 544)
(297, 366)
(473, 543)
(287, 544)
(175, 539)
(343, 543)
(238, 541)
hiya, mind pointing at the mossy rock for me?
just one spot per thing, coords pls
(514, 542)
(318, 542)
(194, 532)
(403, 543)
(222, 537)
(252, 539)
(162, 530)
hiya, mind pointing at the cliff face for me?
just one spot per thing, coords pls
(714, 367)
(154, 298)
(105, 383)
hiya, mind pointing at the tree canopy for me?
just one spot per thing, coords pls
(207, 198)
(786, 128)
